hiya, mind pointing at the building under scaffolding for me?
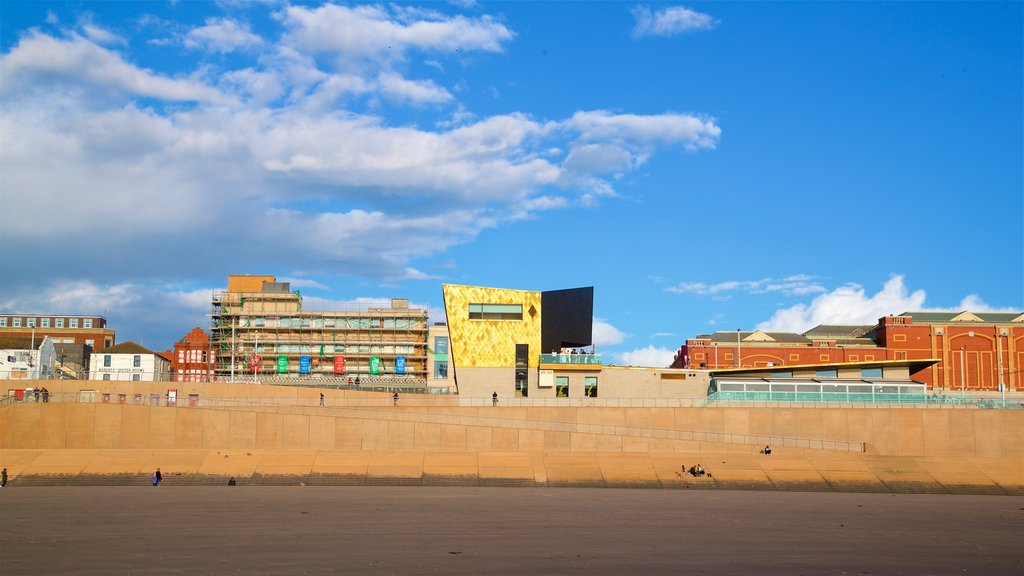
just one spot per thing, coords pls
(259, 330)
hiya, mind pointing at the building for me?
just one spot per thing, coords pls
(26, 359)
(260, 329)
(437, 357)
(62, 329)
(129, 361)
(976, 351)
(192, 358)
(73, 360)
(498, 339)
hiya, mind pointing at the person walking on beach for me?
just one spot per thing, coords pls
(3, 478)
(494, 399)
(394, 398)
(321, 398)
(158, 477)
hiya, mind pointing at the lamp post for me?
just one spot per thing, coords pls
(739, 362)
(256, 358)
(963, 391)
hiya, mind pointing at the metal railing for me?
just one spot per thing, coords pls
(843, 399)
(570, 359)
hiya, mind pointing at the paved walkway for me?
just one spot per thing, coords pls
(799, 470)
(501, 531)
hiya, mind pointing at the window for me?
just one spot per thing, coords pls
(561, 386)
(17, 322)
(90, 342)
(60, 322)
(870, 372)
(441, 370)
(74, 323)
(31, 322)
(3, 322)
(136, 361)
(827, 373)
(106, 360)
(45, 322)
(782, 374)
(106, 376)
(441, 345)
(590, 386)
(87, 323)
(136, 377)
(495, 311)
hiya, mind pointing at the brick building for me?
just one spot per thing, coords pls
(61, 328)
(192, 359)
(975, 350)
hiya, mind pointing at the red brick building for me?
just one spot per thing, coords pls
(61, 328)
(975, 350)
(192, 360)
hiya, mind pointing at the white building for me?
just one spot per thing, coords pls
(26, 358)
(129, 361)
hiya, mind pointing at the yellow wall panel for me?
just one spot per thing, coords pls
(491, 343)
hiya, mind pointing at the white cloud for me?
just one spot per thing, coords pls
(240, 158)
(359, 33)
(101, 35)
(42, 64)
(669, 21)
(651, 356)
(222, 35)
(416, 91)
(128, 307)
(846, 305)
(604, 334)
(791, 285)
(693, 132)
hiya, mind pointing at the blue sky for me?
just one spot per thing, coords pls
(705, 166)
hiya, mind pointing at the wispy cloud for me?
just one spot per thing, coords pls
(222, 35)
(669, 21)
(790, 285)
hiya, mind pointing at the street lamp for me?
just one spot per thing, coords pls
(739, 362)
(963, 392)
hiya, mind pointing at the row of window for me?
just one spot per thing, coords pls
(44, 322)
(336, 349)
(830, 373)
(136, 361)
(495, 311)
(562, 386)
(356, 323)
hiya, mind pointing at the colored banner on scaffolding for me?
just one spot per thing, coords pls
(303, 364)
(254, 363)
(339, 364)
(375, 365)
(282, 364)
(399, 364)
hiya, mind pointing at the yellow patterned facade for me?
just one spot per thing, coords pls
(491, 343)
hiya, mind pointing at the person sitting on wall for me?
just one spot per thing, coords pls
(693, 470)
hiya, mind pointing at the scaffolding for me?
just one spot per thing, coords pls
(267, 336)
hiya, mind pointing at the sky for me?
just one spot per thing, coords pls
(704, 166)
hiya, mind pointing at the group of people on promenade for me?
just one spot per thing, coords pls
(41, 394)
(572, 351)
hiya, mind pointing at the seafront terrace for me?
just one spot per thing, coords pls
(281, 435)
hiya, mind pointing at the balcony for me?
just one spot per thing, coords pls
(571, 359)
